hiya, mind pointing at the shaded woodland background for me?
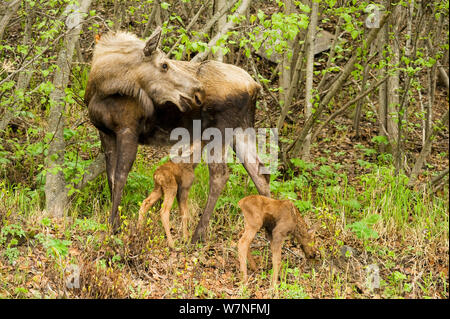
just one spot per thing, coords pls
(362, 115)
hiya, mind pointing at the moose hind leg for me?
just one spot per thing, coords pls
(245, 148)
(218, 177)
(109, 148)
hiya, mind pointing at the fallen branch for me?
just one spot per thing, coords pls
(435, 180)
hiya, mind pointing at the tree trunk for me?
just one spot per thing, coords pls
(10, 11)
(382, 92)
(24, 76)
(219, 4)
(305, 153)
(286, 71)
(55, 185)
(240, 11)
(393, 85)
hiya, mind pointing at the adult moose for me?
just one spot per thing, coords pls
(136, 95)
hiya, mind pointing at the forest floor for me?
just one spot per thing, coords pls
(44, 257)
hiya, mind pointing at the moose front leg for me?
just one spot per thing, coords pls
(218, 177)
(126, 145)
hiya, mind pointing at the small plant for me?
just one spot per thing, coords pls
(9, 237)
(363, 228)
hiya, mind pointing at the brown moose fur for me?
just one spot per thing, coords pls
(171, 179)
(121, 65)
(279, 218)
(136, 95)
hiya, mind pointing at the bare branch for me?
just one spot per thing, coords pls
(347, 105)
(240, 11)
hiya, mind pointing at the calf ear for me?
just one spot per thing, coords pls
(153, 42)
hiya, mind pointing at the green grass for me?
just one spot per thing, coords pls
(411, 229)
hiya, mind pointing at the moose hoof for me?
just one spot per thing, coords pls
(197, 238)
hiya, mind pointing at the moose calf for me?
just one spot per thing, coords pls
(171, 179)
(279, 218)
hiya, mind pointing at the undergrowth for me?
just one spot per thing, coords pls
(376, 220)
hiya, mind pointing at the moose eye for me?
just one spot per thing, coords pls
(164, 66)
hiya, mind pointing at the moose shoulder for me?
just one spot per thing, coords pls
(136, 95)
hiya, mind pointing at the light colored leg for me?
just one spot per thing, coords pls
(251, 261)
(169, 197)
(148, 203)
(183, 195)
(243, 249)
(275, 246)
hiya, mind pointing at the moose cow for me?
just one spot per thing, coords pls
(136, 95)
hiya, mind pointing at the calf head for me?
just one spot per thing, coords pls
(306, 235)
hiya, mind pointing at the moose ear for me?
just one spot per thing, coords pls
(153, 42)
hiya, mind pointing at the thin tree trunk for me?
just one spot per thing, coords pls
(292, 88)
(10, 11)
(55, 185)
(359, 105)
(382, 92)
(286, 71)
(335, 87)
(426, 149)
(240, 11)
(24, 77)
(331, 55)
(152, 18)
(218, 4)
(362, 95)
(393, 83)
(305, 153)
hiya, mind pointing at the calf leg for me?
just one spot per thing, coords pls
(127, 144)
(170, 191)
(182, 197)
(251, 261)
(148, 203)
(218, 177)
(275, 245)
(243, 249)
